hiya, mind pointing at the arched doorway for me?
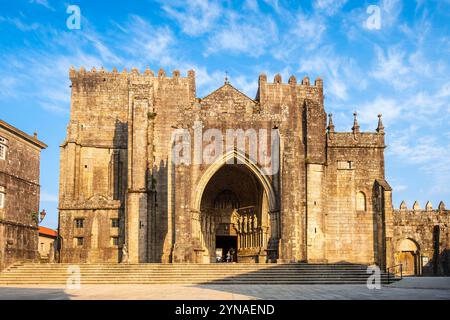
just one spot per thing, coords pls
(235, 211)
(408, 254)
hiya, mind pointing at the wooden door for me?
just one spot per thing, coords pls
(407, 259)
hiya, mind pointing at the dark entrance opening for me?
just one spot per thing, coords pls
(226, 243)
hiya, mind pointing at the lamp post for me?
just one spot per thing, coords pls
(42, 215)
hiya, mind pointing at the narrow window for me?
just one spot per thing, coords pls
(2, 197)
(115, 241)
(3, 148)
(115, 223)
(79, 241)
(361, 201)
(79, 223)
(345, 165)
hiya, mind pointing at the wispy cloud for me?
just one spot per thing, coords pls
(48, 197)
(195, 16)
(238, 37)
(329, 7)
(20, 24)
(43, 3)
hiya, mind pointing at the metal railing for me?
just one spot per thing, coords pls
(394, 273)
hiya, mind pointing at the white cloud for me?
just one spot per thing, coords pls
(48, 197)
(310, 29)
(392, 68)
(43, 3)
(391, 10)
(338, 72)
(400, 188)
(329, 7)
(239, 36)
(389, 108)
(19, 24)
(195, 17)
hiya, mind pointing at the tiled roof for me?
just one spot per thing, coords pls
(47, 232)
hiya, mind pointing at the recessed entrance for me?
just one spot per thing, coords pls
(224, 244)
(234, 214)
(408, 255)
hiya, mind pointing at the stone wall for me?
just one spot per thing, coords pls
(428, 229)
(355, 161)
(19, 177)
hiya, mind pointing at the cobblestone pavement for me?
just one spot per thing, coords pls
(409, 288)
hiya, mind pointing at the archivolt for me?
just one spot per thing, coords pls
(219, 163)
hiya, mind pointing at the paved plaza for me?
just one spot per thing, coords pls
(408, 288)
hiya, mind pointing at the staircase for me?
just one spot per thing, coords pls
(221, 273)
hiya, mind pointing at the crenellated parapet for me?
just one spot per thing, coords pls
(422, 213)
(103, 74)
(355, 138)
(278, 91)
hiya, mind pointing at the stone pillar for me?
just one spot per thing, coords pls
(315, 213)
(137, 198)
(292, 246)
(184, 248)
(389, 229)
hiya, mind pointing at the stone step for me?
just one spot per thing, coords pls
(188, 274)
(268, 276)
(196, 269)
(189, 281)
(193, 267)
(223, 265)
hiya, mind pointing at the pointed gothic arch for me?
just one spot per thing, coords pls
(224, 160)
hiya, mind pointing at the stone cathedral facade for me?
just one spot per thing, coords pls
(124, 197)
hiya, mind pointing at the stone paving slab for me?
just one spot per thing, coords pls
(419, 288)
(423, 283)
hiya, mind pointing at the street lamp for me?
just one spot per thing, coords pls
(42, 215)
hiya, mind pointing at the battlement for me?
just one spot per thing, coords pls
(418, 218)
(278, 91)
(82, 73)
(277, 80)
(356, 138)
(428, 207)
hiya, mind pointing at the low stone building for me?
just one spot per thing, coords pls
(47, 241)
(152, 173)
(422, 239)
(19, 194)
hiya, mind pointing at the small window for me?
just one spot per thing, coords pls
(79, 223)
(79, 241)
(3, 150)
(2, 197)
(115, 241)
(360, 201)
(114, 223)
(345, 165)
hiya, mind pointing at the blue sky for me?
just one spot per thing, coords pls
(401, 69)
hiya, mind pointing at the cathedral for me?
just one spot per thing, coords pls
(151, 173)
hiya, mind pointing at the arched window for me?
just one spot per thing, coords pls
(3, 148)
(361, 201)
(2, 197)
